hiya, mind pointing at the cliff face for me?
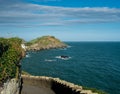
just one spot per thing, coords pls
(45, 42)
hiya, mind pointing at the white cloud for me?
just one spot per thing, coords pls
(19, 13)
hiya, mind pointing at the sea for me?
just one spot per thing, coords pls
(90, 64)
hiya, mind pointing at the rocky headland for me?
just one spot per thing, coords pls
(45, 42)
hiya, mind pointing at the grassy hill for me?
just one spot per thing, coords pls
(45, 42)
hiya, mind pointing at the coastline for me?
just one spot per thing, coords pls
(40, 84)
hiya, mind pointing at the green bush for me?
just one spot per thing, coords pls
(10, 55)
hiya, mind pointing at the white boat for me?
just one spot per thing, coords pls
(63, 57)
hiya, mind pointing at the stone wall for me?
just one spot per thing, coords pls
(57, 85)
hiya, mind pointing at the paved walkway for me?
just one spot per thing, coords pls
(28, 89)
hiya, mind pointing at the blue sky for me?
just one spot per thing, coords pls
(68, 20)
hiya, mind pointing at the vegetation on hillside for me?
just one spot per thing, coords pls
(10, 55)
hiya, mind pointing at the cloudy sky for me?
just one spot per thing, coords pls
(68, 20)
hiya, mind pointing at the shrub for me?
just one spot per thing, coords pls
(10, 55)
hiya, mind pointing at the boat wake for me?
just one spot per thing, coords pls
(27, 56)
(49, 60)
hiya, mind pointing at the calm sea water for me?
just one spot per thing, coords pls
(91, 64)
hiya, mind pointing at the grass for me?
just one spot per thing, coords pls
(95, 90)
(25, 73)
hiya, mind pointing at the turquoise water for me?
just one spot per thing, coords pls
(90, 64)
